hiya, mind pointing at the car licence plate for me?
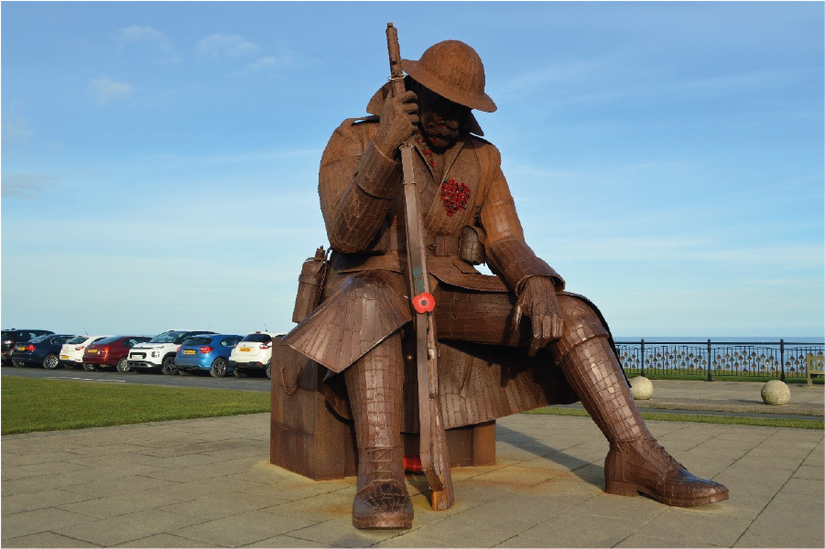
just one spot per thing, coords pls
(21, 348)
(189, 351)
(92, 351)
(246, 349)
(64, 357)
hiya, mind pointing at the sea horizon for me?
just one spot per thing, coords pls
(721, 339)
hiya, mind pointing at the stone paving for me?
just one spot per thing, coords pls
(208, 483)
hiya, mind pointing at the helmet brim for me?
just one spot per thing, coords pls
(419, 73)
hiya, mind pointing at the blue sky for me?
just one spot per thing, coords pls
(159, 160)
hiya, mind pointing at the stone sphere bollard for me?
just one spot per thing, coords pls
(641, 388)
(776, 393)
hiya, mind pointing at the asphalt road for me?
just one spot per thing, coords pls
(201, 380)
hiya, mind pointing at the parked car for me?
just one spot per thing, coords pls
(71, 354)
(158, 354)
(206, 353)
(43, 350)
(253, 354)
(15, 335)
(111, 352)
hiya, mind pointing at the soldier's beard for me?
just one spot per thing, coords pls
(440, 135)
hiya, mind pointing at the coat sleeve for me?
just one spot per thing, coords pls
(356, 185)
(508, 255)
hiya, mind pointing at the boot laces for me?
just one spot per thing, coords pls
(382, 460)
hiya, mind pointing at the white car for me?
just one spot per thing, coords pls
(253, 353)
(71, 353)
(158, 353)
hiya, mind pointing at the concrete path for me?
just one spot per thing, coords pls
(208, 483)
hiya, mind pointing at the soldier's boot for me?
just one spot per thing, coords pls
(375, 387)
(636, 463)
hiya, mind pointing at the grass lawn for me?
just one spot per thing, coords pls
(649, 374)
(30, 405)
(701, 418)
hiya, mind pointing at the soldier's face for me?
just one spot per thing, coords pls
(441, 121)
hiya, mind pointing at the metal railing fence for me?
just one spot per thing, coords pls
(779, 359)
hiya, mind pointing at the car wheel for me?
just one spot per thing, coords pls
(218, 368)
(88, 367)
(168, 367)
(238, 373)
(51, 362)
(18, 364)
(123, 365)
(269, 370)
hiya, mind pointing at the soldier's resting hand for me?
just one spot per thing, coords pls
(537, 301)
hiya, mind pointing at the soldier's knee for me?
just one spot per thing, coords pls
(581, 323)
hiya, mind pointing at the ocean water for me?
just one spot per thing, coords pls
(718, 340)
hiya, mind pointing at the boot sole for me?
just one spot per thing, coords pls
(375, 523)
(633, 490)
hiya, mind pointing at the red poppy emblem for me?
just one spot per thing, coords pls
(423, 303)
(454, 195)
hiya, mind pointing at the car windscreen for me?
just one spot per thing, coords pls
(40, 339)
(77, 339)
(166, 337)
(197, 341)
(258, 338)
(183, 336)
(106, 340)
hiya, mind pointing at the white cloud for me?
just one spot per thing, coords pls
(26, 186)
(16, 130)
(149, 35)
(106, 91)
(271, 63)
(153, 38)
(225, 45)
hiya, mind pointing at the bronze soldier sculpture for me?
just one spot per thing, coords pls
(515, 341)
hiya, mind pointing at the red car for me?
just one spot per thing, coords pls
(110, 352)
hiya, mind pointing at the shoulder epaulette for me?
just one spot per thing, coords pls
(354, 121)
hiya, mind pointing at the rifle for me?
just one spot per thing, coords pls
(435, 462)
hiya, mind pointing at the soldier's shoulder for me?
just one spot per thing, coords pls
(362, 120)
(485, 148)
(482, 144)
(355, 129)
(479, 140)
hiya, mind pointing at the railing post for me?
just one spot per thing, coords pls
(710, 374)
(782, 358)
(643, 357)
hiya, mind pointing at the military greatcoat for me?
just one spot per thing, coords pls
(463, 197)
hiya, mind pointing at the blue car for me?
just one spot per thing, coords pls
(206, 352)
(43, 351)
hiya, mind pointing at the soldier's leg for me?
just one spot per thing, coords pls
(375, 388)
(636, 463)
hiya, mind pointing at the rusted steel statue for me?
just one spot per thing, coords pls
(505, 343)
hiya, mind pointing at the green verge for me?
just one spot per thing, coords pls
(700, 418)
(722, 377)
(31, 405)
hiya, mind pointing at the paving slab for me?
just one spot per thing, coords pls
(208, 483)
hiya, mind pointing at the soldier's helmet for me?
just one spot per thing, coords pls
(453, 70)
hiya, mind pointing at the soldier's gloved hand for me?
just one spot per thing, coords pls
(538, 301)
(398, 121)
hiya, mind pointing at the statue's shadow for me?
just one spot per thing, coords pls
(585, 470)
